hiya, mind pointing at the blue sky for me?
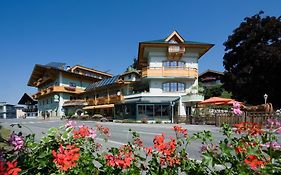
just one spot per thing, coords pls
(105, 34)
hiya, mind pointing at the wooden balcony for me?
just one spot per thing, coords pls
(151, 72)
(30, 110)
(53, 89)
(75, 103)
(112, 99)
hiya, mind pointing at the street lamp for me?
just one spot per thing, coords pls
(265, 96)
(172, 105)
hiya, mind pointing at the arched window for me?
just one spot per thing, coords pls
(173, 64)
(173, 87)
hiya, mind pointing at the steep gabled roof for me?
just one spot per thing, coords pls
(211, 71)
(90, 70)
(27, 99)
(175, 36)
(39, 71)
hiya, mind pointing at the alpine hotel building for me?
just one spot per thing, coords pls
(164, 86)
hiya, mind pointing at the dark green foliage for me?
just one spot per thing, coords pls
(133, 66)
(253, 60)
(216, 91)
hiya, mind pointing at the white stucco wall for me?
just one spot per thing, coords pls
(156, 56)
(155, 85)
(181, 108)
(132, 78)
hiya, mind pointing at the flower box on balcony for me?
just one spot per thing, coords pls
(70, 88)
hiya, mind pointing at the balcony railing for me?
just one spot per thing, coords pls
(170, 72)
(52, 89)
(75, 103)
(29, 110)
(112, 99)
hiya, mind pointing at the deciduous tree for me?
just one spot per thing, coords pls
(253, 60)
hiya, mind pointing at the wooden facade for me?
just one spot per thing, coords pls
(169, 72)
(110, 99)
(53, 89)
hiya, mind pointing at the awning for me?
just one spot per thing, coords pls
(192, 98)
(99, 106)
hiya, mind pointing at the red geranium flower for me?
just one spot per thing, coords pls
(122, 160)
(82, 132)
(66, 158)
(249, 128)
(166, 150)
(103, 130)
(148, 150)
(254, 162)
(180, 130)
(239, 149)
(9, 168)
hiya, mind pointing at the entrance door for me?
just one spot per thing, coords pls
(188, 110)
(188, 114)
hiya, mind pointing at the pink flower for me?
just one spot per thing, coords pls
(274, 125)
(236, 105)
(236, 108)
(237, 111)
(70, 124)
(16, 141)
(274, 145)
(92, 133)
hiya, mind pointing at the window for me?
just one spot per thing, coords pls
(180, 87)
(157, 111)
(174, 64)
(141, 110)
(173, 87)
(166, 87)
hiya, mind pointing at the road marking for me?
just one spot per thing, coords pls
(141, 132)
(32, 122)
(111, 141)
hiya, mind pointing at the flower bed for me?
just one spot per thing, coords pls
(72, 149)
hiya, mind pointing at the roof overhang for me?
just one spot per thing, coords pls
(90, 70)
(42, 74)
(143, 45)
(27, 100)
(212, 72)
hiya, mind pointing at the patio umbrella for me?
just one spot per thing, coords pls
(217, 101)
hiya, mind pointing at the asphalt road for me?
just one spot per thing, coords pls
(119, 132)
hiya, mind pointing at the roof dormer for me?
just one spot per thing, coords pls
(174, 38)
